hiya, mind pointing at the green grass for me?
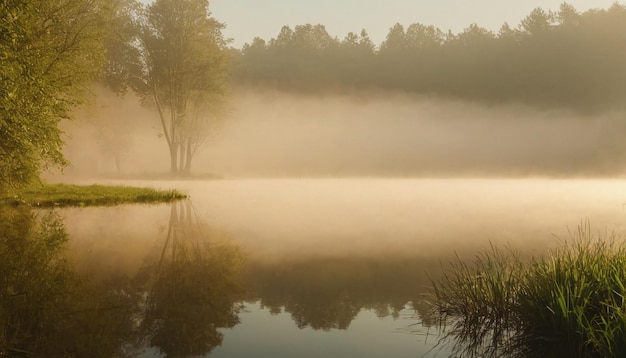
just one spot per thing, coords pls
(569, 303)
(62, 195)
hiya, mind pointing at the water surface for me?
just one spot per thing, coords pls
(286, 267)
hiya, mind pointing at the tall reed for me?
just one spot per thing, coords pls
(569, 303)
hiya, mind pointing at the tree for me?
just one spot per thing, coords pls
(254, 61)
(537, 22)
(106, 112)
(358, 44)
(395, 42)
(185, 61)
(123, 63)
(568, 15)
(419, 36)
(50, 51)
(475, 35)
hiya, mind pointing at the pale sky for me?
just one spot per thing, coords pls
(246, 19)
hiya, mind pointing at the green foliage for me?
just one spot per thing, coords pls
(56, 195)
(49, 51)
(185, 61)
(123, 66)
(563, 59)
(569, 303)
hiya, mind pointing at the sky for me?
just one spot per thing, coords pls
(246, 19)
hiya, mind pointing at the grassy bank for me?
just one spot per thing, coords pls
(59, 195)
(568, 303)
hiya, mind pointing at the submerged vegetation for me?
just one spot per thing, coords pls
(54, 195)
(570, 303)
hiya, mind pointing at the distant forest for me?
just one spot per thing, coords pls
(565, 59)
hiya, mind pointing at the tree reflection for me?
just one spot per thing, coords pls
(33, 279)
(184, 294)
(194, 287)
(46, 308)
(176, 302)
(328, 293)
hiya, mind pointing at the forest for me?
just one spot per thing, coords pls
(563, 58)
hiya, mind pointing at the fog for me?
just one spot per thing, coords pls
(274, 134)
(421, 219)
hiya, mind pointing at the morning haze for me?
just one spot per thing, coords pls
(543, 98)
(279, 134)
(363, 178)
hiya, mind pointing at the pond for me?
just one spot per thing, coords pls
(271, 267)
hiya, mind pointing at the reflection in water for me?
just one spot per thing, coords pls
(328, 293)
(324, 261)
(45, 308)
(186, 291)
(176, 303)
(34, 279)
(193, 288)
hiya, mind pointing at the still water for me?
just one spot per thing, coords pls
(271, 268)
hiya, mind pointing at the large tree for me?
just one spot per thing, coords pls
(49, 52)
(185, 73)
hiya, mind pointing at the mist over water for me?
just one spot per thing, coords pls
(357, 159)
(342, 207)
(275, 134)
(330, 260)
(427, 218)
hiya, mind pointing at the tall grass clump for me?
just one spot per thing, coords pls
(568, 303)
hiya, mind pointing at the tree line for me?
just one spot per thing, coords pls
(565, 58)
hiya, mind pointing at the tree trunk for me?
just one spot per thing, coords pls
(181, 159)
(174, 158)
(188, 158)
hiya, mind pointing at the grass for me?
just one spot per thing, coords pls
(62, 195)
(569, 303)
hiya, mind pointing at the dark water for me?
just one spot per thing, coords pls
(269, 268)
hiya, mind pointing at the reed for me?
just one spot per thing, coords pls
(568, 303)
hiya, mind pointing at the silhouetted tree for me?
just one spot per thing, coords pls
(185, 74)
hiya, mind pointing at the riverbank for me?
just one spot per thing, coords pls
(64, 195)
